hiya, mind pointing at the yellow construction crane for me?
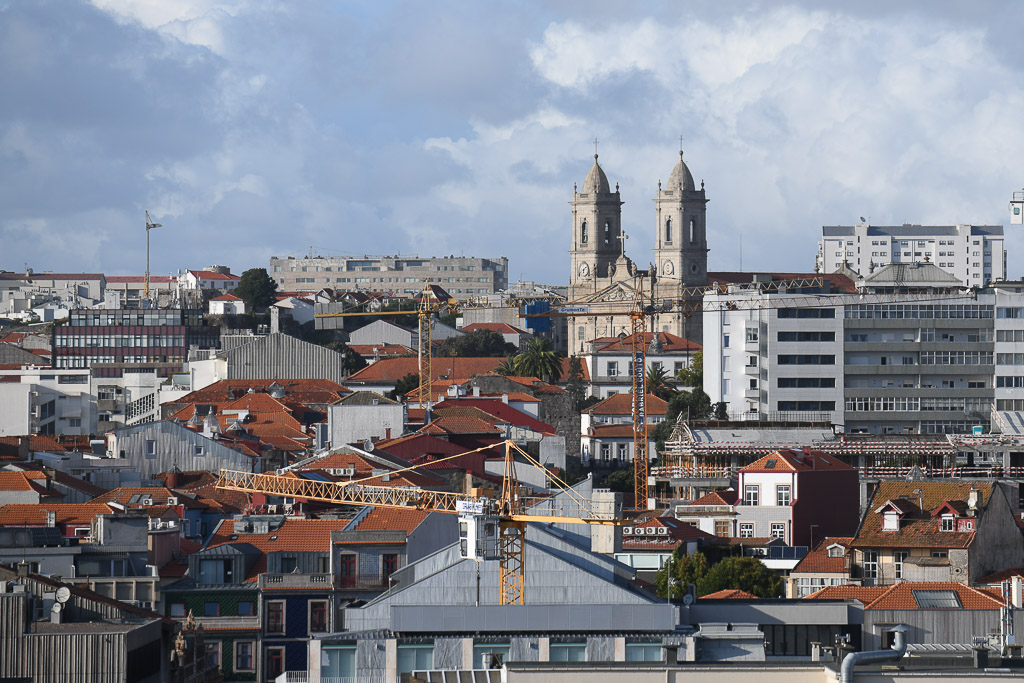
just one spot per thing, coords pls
(490, 526)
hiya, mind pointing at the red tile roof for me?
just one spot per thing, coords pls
(918, 529)
(998, 577)
(901, 596)
(601, 431)
(207, 275)
(670, 344)
(866, 594)
(451, 425)
(716, 498)
(55, 443)
(416, 445)
(18, 514)
(293, 535)
(729, 594)
(496, 408)
(304, 391)
(818, 562)
(796, 461)
(391, 370)
(391, 519)
(226, 297)
(622, 404)
(157, 494)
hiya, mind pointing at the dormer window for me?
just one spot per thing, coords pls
(948, 523)
(890, 521)
(836, 551)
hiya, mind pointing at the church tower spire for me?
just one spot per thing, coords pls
(596, 232)
(681, 247)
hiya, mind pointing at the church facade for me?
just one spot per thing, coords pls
(604, 279)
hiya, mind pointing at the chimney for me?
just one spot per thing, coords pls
(173, 480)
(1016, 590)
(24, 447)
(972, 499)
(504, 399)
(476, 391)
(51, 518)
(23, 569)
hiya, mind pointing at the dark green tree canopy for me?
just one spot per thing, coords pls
(693, 374)
(352, 360)
(404, 386)
(477, 344)
(741, 573)
(538, 359)
(256, 288)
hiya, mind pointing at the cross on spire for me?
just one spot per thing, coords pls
(595, 148)
(622, 242)
(680, 146)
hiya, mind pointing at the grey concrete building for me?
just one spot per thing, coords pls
(464, 277)
(154, 447)
(364, 415)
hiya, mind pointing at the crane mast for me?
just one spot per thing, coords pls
(640, 463)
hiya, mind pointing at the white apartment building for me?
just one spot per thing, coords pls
(38, 400)
(463, 277)
(930, 367)
(973, 254)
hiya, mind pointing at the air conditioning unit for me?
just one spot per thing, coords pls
(663, 531)
(639, 531)
(348, 471)
(272, 509)
(172, 500)
(147, 501)
(288, 508)
(627, 530)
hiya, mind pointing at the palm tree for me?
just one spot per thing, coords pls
(507, 367)
(539, 360)
(657, 382)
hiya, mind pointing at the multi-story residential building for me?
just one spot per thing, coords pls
(39, 400)
(464, 277)
(609, 360)
(797, 496)
(892, 367)
(606, 429)
(973, 254)
(827, 565)
(935, 531)
(20, 292)
(130, 336)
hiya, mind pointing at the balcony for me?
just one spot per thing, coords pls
(751, 370)
(251, 623)
(366, 582)
(294, 581)
(754, 394)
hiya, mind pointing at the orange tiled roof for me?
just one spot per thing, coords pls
(500, 328)
(390, 519)
(793, 460)
(158, 494)
(901, 596)
(459, 424)
(16, 514)
(23, 481)
(304, 391)
(918, 528)
(716, 498)
(294, 535)
(866, 594)
(818, 562)
(393, 369)
(729, 594)
(670, 343)
(600, 431)
(622, 404)
(56, 443)
(1002, 575)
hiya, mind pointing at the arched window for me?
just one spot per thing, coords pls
(668, 230)
(607, 232)
(583, 232)
(693, 229)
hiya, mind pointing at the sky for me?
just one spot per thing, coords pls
(259, 128)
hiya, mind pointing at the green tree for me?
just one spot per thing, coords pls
(685, 569)
(404, 386)
(620, 481)
(741, 573)
(692, 405)
(721, 410)
(539, 360)
(352, 361)
(574, 384)
(506, 367)
(476, 344)
(256, 288)
(693, 374)
(657, 382)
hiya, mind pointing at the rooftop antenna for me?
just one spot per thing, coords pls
(149, 226)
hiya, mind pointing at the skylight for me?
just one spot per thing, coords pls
(931, 599)
(770, 465)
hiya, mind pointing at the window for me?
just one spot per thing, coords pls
(288, 564)
(870, 564)
(583, 232)
(746, 530)
(722, 528)
(622, 451)
(347, 570)
(644, 652)
(245, 608)
(725, 341)
(178, 609)
(939, 554)
(415, 658)
(389, 564)
(275, 616)
(317, 616)
(243, 655)
(606, 451)
(898, 558)
(751, 493)
(890, 521)
(668, 230)
(937, 599)
(607, 232)
(211, 609)
(751, 361)
(782, 495)
(778, 530)
(75, 422)
(275, 662)
(213, 652)
(948, 523)
(339, 662)
(836, 551)
(613, 368)
(197, 450)
(150, 448)
(567, 652)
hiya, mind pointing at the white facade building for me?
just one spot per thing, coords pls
(39, 400)
(974, 254)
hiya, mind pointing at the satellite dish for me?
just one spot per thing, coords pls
(56, 608)
(63, 594)
(688, 599)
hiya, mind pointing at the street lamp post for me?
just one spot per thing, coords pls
(149, 226)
